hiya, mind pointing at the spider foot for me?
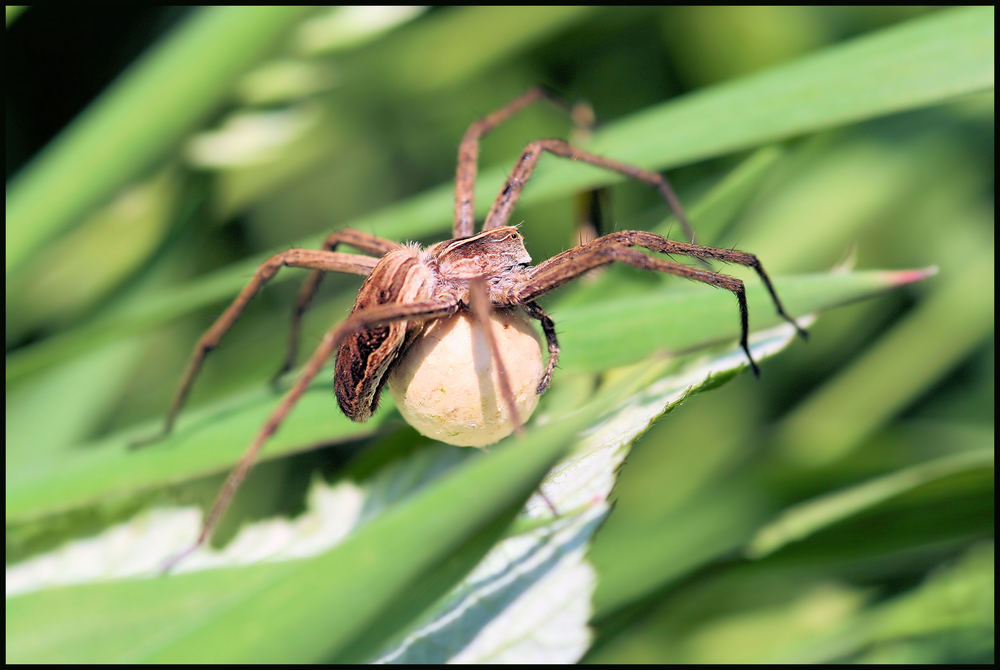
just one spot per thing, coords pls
(802, 332)
(278, 377)
(172, 562)
(753, 364)
(548, 503)
(141, 442)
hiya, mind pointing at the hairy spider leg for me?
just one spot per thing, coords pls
(569, 265)
(360, 320)
(658, 243)
(502, 207)
(535, 311)
(480, 306)
(468, 150)
(369, 244)
(325, 261)
(479, 303)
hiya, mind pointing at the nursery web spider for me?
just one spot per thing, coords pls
(407, 287)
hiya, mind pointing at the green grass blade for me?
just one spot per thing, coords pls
(466, 40)
(917, 63)
(800, 521)
(145, 113)
(619, 331)
(12, 12)
(540, 567)
(344, 589)
(956, 602)
(955, 318)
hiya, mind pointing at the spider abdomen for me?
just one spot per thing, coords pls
(401, 277)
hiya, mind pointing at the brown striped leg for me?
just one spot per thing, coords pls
(479, 302)
(571, 264)
(658, 243)
(468, 151)
(535, 311)
(511, 192)
(362, 319)
(325, 261)
(355, 238)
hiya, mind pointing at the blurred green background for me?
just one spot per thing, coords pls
(226, 134)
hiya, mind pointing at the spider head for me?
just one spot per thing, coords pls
(489, 253)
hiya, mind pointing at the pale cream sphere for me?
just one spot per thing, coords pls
(447, 385)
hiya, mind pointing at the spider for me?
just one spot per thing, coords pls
(407, 288)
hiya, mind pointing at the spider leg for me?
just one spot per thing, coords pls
(655, 242)
(479, 301)
(535, 311)
(468, 150)
(571, 264)
(324, 261)
(363, 319)
(480, 304)
(503, 206)
(370, 244)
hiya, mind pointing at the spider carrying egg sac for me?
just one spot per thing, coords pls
(446, 385)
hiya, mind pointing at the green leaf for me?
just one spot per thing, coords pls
(617, 332)
(529, 600)
(324, 602)
(34, 432)
(466, 40)
(800, 521)
(956, 317)
(532, 590)
(146, 112)
(956, 599)
(12, 12)
(912, 64)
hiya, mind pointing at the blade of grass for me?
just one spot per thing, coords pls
(324, 602)
(465, 39)
(956, 317)
(956, 598)
(135, 122)
(617, 332)
(534, 571)
(916, 63)
(800, 521)
(12, 12)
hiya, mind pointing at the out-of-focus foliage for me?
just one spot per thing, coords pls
(837, 509)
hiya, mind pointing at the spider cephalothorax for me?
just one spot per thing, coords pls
(409, 292)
